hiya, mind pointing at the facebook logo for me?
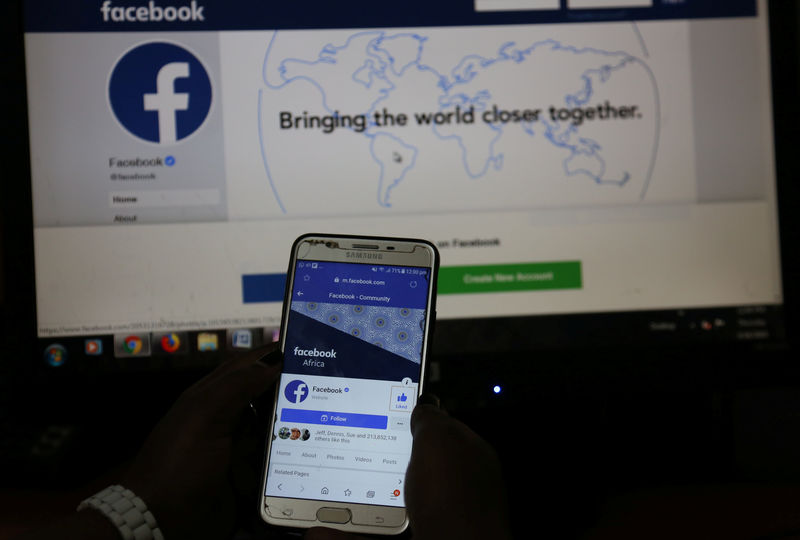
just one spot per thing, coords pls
(296, 391)
(160, 92)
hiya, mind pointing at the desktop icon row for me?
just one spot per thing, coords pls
(145, 344)
(169, 343)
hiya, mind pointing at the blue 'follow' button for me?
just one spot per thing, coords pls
(329, 418)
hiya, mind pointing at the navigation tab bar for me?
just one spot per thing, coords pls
(339, 458)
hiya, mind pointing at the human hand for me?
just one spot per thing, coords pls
(454, 485)
(182, 470)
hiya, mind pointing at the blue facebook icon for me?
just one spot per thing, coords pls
(160, 92)
(296, 391)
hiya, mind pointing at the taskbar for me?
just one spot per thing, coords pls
(155, 351)
(741, 326)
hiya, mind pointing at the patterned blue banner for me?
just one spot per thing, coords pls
(398, 330)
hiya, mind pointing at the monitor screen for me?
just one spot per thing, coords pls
(573, 160)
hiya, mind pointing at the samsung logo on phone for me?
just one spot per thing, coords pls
(362, 255)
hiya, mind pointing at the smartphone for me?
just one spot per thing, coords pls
(355, 337)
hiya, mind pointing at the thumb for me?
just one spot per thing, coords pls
(427, 411)
(231, 393)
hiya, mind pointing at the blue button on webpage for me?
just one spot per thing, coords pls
(331, 418)
(258, 288)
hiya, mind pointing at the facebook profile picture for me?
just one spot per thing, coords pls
(296, 391)
(160, 92)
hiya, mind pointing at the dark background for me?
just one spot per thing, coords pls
(611, 440)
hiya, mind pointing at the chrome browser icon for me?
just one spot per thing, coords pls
(132, 344)
(128, 345)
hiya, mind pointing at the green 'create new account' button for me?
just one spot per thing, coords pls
(510, 277)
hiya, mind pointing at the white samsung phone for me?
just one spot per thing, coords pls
(355, 335)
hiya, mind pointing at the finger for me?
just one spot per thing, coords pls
(233, 364)
(429, 398)
(424, 414)
(228, 395)
(242, 360)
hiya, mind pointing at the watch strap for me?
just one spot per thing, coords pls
(126, 511)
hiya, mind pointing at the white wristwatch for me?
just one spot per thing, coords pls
(126, 511)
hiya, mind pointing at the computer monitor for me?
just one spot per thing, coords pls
(606, 165)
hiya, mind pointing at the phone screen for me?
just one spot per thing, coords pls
(352, 362)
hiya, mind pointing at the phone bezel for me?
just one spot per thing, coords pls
(396, 252)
